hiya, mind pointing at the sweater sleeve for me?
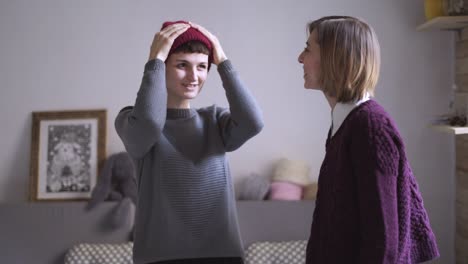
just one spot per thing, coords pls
(375, 159)
(140, 126)
(244, 118)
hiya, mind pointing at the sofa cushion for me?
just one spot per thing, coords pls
(287, 252)
(87, 253)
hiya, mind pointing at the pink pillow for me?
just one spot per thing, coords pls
(280, 190)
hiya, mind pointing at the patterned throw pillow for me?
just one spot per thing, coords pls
(100, 253)
(289, 252)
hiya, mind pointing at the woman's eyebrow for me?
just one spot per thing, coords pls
(186, 61)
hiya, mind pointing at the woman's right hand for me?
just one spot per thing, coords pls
(163, 40)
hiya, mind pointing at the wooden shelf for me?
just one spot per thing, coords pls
(445, 23)
(450, 129)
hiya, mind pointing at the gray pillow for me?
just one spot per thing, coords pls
(253, 187)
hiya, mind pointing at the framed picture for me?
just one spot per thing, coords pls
(67, 153)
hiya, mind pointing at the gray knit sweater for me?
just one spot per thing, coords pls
(186, 206)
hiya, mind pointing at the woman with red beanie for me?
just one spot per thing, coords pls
(368, 208)
(186, 212)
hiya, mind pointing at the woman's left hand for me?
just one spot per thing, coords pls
(218, 53)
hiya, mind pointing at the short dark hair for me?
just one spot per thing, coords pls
(193, 46)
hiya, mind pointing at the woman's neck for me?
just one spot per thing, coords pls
(178, 104)
(331, 101)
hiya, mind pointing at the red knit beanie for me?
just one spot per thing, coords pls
(189, 35)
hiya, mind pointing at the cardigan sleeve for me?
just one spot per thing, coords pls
(375, 159)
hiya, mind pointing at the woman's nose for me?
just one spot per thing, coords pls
(192, 75)
(299, 59)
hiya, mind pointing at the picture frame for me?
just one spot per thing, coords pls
(67, 153)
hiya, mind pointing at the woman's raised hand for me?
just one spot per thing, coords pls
(218, 53)
(163, 40)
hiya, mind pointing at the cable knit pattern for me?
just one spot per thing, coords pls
(369, 208)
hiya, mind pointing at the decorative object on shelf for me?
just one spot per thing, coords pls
(117, 182)
(310, 191)
(458, 121)
(456, 7)
(460, 104)
(281, 190)
(67, 150)
(434, 8)
(289, 179)
(253, 187)
(455, 120)
(457, 110)
(294, 171)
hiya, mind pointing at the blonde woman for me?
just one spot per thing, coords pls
(369, 208)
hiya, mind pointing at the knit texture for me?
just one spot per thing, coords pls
(186, 207)
(369, 208)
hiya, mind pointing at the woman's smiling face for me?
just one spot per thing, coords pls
(185, 75)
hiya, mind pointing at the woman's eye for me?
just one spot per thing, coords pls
(181, 65)
(202, 66)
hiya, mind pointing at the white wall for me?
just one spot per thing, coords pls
(57, 55)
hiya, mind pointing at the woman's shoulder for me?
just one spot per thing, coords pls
(373, 127)
(371, 118)
(372, 114)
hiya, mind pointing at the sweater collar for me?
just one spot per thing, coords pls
(342, 110)
(180, 113)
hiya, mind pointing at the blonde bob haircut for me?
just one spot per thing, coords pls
(349, 57)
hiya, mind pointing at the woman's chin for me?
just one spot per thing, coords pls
(191, 95)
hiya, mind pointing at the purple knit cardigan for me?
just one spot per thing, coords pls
(369, 208)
